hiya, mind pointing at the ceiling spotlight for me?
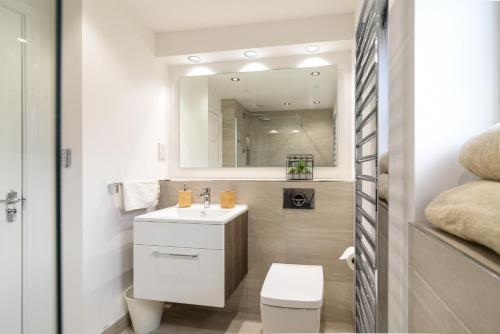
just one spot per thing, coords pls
(315, 73)
(259, 105)
(312, 48)
(287, 103)
(235, 79)
(22, 40)
(295, 131)
(316, 102)
(274, 131)
(194, 59)
(251, 54)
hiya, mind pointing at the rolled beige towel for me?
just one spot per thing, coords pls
(470, 211)
(384, 163)
(481, 154)
(383, 187)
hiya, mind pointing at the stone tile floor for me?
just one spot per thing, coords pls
(188, 320)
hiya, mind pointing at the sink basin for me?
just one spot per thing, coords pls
(197, 213)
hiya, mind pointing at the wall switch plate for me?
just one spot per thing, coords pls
(161, 152)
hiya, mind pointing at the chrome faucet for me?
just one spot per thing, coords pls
(206, 197)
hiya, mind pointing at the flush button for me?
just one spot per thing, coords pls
(298, 198)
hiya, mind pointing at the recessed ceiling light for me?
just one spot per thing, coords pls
(295, 131)
(259, 105)
(316, 102)
(287, 103)
(235, 79)
(312, 48)
(22, 40)
(194, 59)
(251, 54)
(274, 131)
(315, 73)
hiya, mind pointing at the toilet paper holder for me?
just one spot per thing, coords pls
(349, 256)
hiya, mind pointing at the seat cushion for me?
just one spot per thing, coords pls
(481, 154)
(470, 211)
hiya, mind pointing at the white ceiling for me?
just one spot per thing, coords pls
(273, 88)
(178, 15)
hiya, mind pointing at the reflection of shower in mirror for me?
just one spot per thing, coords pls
(265, 118)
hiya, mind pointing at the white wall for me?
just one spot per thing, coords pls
(299, 31)
(457, 87)
(193, 121)
(444, 89)
(114, 102)
(71, 178)
(345, 105)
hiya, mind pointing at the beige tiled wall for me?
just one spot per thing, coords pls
(449, 292)
(316, 236)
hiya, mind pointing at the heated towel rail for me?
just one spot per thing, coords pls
(371, 117)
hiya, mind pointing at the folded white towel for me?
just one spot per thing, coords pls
(140, 194)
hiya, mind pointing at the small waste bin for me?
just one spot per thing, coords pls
(145, 314)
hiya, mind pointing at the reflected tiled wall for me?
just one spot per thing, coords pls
(298, 131)
(228, 110)
(316, 236)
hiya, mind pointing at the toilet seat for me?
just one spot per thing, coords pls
(293, 286)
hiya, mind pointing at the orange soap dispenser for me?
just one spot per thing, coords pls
(185, 197)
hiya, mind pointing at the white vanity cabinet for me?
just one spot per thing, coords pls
(195, 259)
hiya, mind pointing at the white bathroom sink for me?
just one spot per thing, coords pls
(197, 213)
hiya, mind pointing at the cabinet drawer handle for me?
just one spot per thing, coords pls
(159, 254)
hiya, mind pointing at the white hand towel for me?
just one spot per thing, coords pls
(140, 194)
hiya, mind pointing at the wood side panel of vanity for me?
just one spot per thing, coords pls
(236, 253)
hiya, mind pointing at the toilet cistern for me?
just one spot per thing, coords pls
(206, 197)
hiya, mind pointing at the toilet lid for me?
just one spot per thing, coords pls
(293, 286)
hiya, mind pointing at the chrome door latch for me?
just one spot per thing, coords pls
(10, 203)
(11, 214)
(66, 157)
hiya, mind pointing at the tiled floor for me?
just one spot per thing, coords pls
(188, 320)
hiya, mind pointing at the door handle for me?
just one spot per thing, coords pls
(11, 198)
(9, 202)
(160, 254)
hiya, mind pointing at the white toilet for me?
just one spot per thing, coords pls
(291, 299)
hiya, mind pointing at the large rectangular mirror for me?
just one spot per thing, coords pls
(255, 119)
